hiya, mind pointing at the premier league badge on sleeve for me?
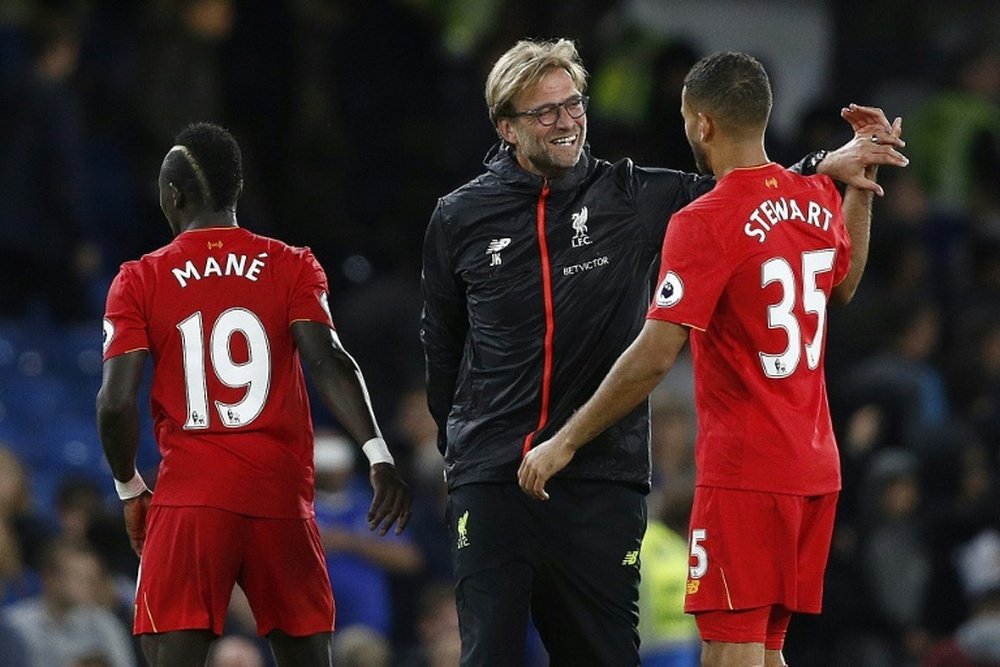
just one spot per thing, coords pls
(109, 333)
(670, 291)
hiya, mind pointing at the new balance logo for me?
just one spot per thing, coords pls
(631, 557)
(494, 248)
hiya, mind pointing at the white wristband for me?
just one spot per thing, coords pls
(133, 488)
(377, 452)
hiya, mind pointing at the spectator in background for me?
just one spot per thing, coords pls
(182, 64)
(893, 550)
(976, 642)
(235, 651)
(974, 373)
(416, 435)
(669, 636)
(359, 646)
(184, 52)
(672, 435)
(17, 581)
(13, 649)
(956, 134)
(67, 621)
(438, 641)
(44, 181)
(84, 520)
(84, 517)
(360, 563)
(902, 379)
(30, 530)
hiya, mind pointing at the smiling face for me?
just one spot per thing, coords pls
(548, 151)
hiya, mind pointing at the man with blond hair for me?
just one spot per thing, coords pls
(536, 278)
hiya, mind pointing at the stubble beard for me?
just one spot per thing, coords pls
(550, 162)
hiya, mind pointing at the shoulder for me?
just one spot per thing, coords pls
(813, 182)
(281, 250)
(464, 205)
(149, 262)
(486, 184)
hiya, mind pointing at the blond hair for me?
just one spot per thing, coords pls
(524, 65)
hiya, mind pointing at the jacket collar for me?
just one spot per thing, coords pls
(500, 162)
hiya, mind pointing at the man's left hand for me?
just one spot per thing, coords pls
(875, 142)
(540, 464)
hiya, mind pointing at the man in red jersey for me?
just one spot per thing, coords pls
(746, 274)
(226, 315)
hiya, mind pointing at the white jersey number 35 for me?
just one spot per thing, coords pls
(780, 315)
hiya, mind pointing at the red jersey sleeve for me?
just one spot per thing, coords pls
(124, 322)
(310, 293)
(693, 272)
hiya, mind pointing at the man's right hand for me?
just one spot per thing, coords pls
(135, 510)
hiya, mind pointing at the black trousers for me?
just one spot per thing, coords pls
(572, 561)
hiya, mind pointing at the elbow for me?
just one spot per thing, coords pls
(842, 294)
(111, 406)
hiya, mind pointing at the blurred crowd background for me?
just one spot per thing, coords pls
(354, 116)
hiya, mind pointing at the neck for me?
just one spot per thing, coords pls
(739, 154)
(211, 220)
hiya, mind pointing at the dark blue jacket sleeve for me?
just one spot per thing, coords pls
(444, 322)
(659, 193)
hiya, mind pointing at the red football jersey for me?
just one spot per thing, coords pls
(229, 403)
(750, 267)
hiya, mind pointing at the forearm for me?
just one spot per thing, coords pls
(629, 382)
(119, 432)
(857, 218)
(341, 385)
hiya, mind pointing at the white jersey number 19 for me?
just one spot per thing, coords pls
(254, 373)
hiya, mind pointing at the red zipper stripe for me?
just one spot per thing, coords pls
(543, 416)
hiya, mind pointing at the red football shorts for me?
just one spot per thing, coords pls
(750, 550)
(764, 625)
(193, 557)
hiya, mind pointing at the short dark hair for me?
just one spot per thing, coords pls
(213, 164)
(732, 86)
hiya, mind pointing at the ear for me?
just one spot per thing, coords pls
(505, 128)
(706, 127)
(176, 195)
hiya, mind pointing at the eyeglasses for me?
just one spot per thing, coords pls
(548, 115)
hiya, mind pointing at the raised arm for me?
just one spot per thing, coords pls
(858, 209)
(339, 382)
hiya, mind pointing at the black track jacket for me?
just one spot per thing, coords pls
(532, 289)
